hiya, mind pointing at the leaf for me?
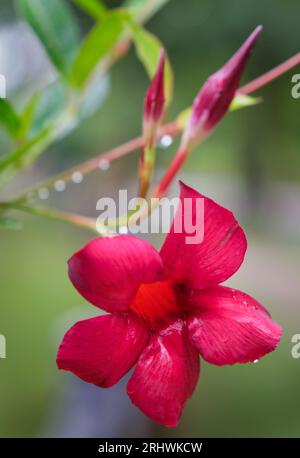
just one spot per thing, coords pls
(97, 44)
(243, 101)
(94, 96)
(24, 155)
(147, 48)
(55, 26)
(8, 223)
(53, 119)
(183, 116)
(95, 8)
(144, 9)
(27, 116)
(50, 105)
(60, 112)
(9, 118)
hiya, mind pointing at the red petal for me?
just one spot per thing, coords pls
(101, 350)
(216, 257)
(108, 271)
(229, 327)
(165, 376)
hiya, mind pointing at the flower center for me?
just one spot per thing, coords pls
(156, 303)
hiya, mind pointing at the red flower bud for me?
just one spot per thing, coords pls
(155, 96)
(215, 96)
(154, 110)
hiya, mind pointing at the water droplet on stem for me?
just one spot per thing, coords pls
(104, 164)
(77, 177)
(60, 185)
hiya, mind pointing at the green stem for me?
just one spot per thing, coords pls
(56, 215)
(146, 168)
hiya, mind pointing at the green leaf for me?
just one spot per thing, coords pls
(62, 111)
(50, 106)
(144, 9)
(8, 223)
(23, 156)
(9, 118)
(54, 117)
(55, 26)
(147, 48)
(243, 101)
(183, 116)
(94, 96)
(97, 44)
(95, 8)
(27, 116)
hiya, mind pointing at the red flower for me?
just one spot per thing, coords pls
(164, 310)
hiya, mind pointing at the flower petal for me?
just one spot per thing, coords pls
(107, 271)
(165, 376)
(101, 350)
(209, 261)
(228, 326)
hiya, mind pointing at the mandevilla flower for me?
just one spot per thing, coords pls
(165, 309)
(214, 98)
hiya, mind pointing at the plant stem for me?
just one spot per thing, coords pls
(92, 164)
(146, 168)
(57, 215)
(172, 129)
(270, 75)
(174, 167)
(181, 155)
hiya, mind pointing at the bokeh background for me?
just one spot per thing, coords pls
(251, 164)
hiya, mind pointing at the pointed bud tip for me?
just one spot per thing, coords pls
(256, 32)
(237, 62)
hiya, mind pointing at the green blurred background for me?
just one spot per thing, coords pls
(251, 165)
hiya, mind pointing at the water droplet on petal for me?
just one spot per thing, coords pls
(43, 193)
(165, 141)
(77, 177)
(104, 164)
(123, 230)
(256, 361)
(60, 185)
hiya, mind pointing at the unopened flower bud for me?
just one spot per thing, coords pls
(155, 100)
(214, 98)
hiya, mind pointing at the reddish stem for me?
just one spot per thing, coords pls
(171, 128)
(174, 167)
(270, 75)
